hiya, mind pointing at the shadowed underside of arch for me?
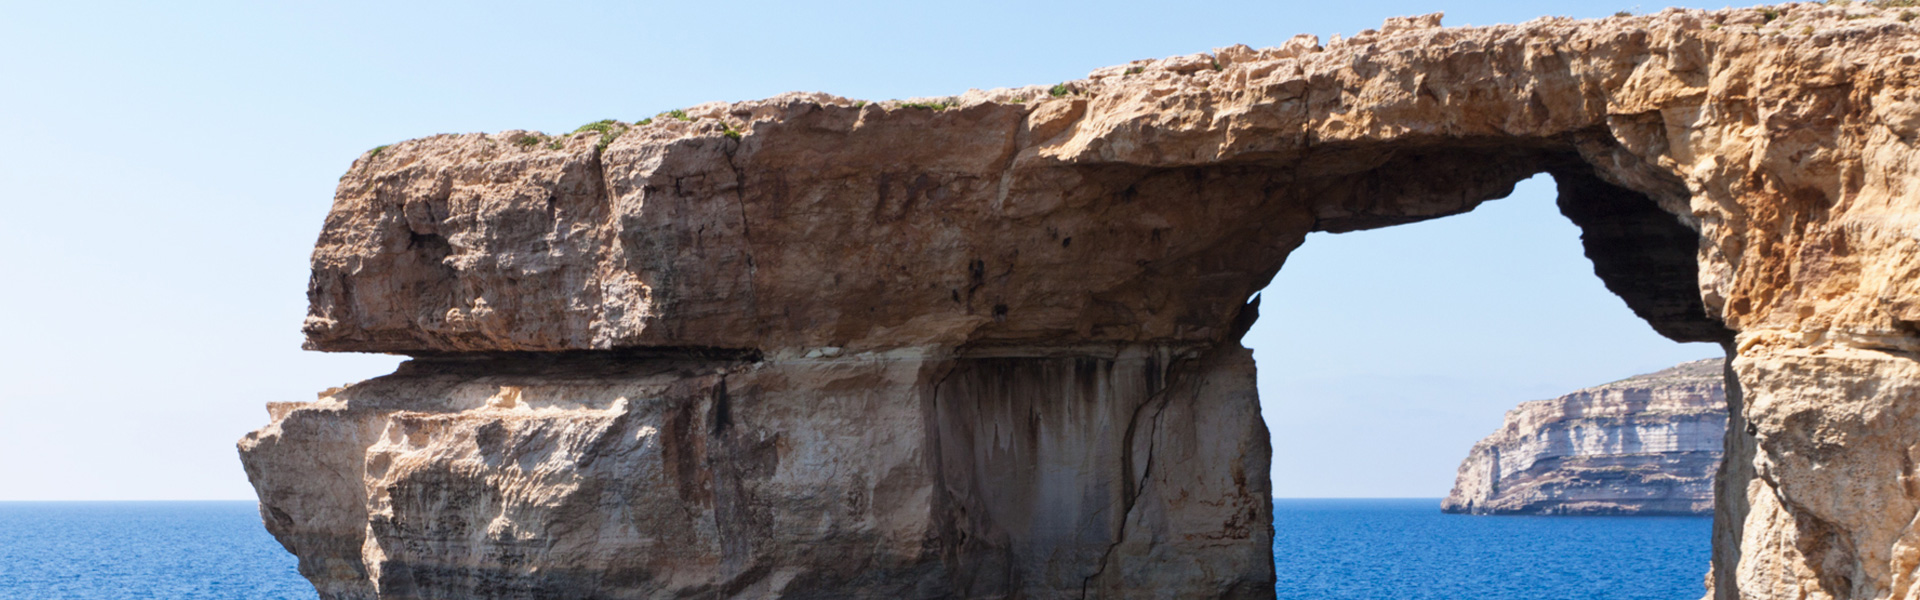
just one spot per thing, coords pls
(810, 347)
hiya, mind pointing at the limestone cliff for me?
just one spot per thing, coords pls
(1645, 445)
(987, 346)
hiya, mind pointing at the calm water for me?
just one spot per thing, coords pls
(1323, 550)
(142, 550)
(1408, 550)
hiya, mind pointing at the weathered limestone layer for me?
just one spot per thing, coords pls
(884, 476)
(1645, 445)
(810, 347)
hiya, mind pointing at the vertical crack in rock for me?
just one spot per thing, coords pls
(1135, 487)
(1731, 482)
(746, 230)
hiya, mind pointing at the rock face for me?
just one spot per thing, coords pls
(880, 475)
(1646, 445)
(988, 346)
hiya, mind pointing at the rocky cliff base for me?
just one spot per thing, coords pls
(896, 475)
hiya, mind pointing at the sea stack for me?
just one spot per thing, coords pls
(1645, 445)
(987, 346)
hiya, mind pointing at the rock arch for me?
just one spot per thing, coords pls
(988, 346)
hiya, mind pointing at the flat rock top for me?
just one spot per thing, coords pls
(1687, 390)
(1711, 371)
(1142, 204)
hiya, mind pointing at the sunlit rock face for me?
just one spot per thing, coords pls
(987, 346)
(1646, 445)
(884, 476)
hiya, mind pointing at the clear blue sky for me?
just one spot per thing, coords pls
(165, 169)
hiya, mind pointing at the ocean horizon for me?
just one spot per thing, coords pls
(1324, 549)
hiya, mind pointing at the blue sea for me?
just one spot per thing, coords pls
(141, 551)
(1409, 550)
(1323, 550)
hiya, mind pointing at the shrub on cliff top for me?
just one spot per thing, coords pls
(941, 104)
(603, 126)
(609, 130)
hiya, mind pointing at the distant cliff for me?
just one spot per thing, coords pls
(1645, 445)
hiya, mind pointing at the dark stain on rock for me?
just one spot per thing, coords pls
(722, 408)
(683, 451)
(491, 438)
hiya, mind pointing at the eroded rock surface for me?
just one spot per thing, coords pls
(1645, 445)
(890, 476)
(811, 347)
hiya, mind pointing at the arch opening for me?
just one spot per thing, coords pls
(1644, 257)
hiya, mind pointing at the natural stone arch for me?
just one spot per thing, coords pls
(806, 346)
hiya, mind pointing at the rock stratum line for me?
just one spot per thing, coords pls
(1645, 445)
(987, 347)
